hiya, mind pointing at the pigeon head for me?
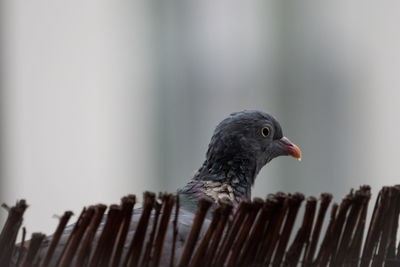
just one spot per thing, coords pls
(250, 138)
(240, 146)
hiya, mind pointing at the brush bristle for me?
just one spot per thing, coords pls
(259, 233)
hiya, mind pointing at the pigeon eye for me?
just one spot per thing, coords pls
(265, 131)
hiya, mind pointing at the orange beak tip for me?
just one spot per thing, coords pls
(295, 152)
(290, 148)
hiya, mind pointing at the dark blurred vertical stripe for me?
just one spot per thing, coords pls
(175, 92)
(156, 35)
(313, 87)
(2, 66)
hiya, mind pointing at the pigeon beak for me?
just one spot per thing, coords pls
(290, 148)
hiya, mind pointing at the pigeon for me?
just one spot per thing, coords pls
(241, 145)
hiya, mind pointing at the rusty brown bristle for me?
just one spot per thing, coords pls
(280, 230)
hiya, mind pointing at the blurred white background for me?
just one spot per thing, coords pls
(104, 98)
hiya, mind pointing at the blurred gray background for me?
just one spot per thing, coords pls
(104, 98)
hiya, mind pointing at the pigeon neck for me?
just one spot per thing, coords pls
(224, 189)
(231, 179)
(238, 171)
